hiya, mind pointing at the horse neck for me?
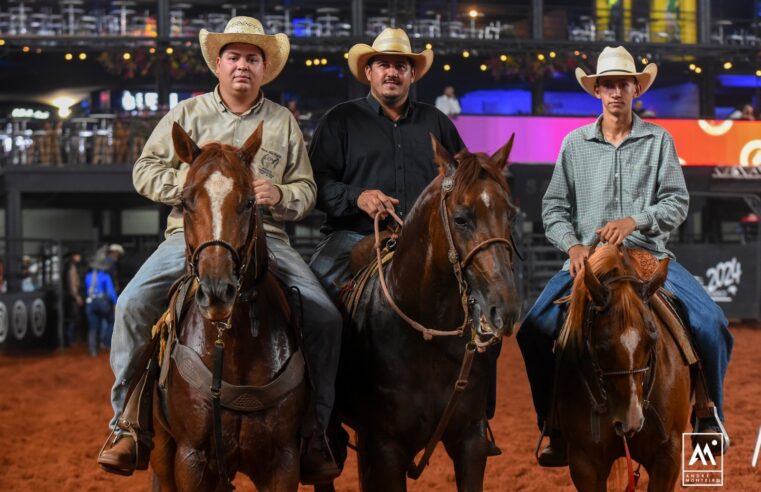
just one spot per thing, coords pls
(423, 287)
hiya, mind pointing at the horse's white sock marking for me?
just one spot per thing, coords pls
(218, 186)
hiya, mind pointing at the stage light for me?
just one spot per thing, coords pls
(152, 50)
(169, 50)
(583, 56)
(2, 42)
(692, 66)
(126, 56)
(316, 61)
(576, 52)
(698, 70)
(68, 56)
(308, 63)
(38, 50)
(727, 65)
(428, 46)
(25, 49)
(473, 13)
(324, 61)
(83, 56)
(644, 60)
(552, 54)
(466, 54)
(540, 57)
(447, 67)
(483, 67)
(346, 56)
(758, 73)
(503, 58)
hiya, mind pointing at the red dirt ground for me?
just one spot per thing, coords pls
(54, 409)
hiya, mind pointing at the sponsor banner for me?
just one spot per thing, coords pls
(538, 138)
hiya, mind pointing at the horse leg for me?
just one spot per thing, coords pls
(325, 487)
(587, 474)
(283, 475)
(382, 466)
(162, 458)
(469, 457)
(665, 468)
(192, 472)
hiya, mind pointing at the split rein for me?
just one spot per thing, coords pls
(458, 267)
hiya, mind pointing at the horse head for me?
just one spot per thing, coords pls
(220, 217)
(620, 334)
(476, 218)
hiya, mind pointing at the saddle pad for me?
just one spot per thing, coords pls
(352, 293)
(663, 305)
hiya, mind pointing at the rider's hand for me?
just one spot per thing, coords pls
(616, 231)
(375, 201)
(577, 254)
(266, 193)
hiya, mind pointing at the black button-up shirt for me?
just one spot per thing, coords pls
(356, 147)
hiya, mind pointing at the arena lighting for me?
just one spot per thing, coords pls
(169, 50)
(25, 49)
(64, 104)
(308, 63)
(584, 56)
(758, 73)
(68, 56)
(447, 67)
(324, 61)
(692, 66)
(644, 60)
(540, 57)
(38, 50)
(473, 13)
(727, 65)
(316, 61)
(698, 69)
(483, 67)
(466, 54)
(503, 58)
(152, 50)
(2, 42)
(346, 56)
(552, 54)
(83, 56)
(126, 56)
(576, 52)
(428, 46)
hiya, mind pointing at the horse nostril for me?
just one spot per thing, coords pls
(230, 293)
(619, 427)
(495, 318)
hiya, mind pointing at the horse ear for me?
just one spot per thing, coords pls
(442, 158)
(500, 157)
(656, 280)
(251, 145)
(184, 146)
(598, 292)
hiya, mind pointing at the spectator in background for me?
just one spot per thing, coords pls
(745, 112)
(73, 301)
(100, 302)
(113, 255)
(294, 108)
(447, 103)
(641, 111)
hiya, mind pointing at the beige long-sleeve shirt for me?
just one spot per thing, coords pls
(282, 158)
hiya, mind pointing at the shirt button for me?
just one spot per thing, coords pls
(616, 174)
(400, 146)
(395, 125)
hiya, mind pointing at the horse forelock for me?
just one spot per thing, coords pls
(625, 302)
(470, 169)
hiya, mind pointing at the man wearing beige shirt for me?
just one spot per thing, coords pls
(244, 59)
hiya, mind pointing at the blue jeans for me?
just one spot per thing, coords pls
(98, 329)
(705, 318)
(330, 261)
(145, 298)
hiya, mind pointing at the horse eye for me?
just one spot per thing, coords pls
(461, 220)
(249, 203)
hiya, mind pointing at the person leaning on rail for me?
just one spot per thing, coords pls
(620, 179)
(243, 58)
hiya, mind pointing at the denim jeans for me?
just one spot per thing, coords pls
(98, 329)
(705, 318)
(144, 299)
(330, 261)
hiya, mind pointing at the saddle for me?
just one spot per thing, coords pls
(364, 266)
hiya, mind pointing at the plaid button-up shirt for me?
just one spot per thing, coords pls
(595, 182)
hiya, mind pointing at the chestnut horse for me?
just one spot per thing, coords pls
(241, 308)
(620, 379)
(393, 384)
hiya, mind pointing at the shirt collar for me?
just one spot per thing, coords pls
(378, 109)
(639, 129)
(224, 109)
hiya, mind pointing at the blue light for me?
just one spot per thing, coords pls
(747, 81)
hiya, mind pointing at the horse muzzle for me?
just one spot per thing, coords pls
(216, 297)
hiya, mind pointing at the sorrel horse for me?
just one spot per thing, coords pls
(452, 266)
(240, 308)
(621, 381)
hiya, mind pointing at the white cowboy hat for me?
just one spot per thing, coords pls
(391, 42)
(275, 47)
(617, 61)
(116, 248)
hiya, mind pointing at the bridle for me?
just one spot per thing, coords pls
(458, 268)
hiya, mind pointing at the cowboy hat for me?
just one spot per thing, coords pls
(391, 42)
(116, 248)
(250, 31)
(617, 61)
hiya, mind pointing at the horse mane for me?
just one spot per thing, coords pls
(470, 168)
(606, 262)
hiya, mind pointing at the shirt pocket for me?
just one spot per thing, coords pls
(270, 161)
(639, 172)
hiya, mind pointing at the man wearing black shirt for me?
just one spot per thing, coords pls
(374, 153)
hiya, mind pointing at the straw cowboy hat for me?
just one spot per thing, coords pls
(391, 42)
(250, 31)
(617, 61)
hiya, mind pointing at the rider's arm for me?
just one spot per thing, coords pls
(557, 204)
(672, 200)
(158, 173)
(328, 153)
(298, 187)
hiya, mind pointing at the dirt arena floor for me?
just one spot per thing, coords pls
(54, 409)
